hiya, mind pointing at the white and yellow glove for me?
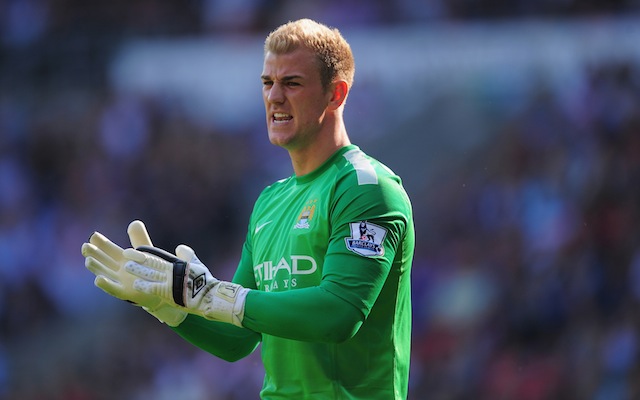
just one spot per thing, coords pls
(186, 283)
(106, 261)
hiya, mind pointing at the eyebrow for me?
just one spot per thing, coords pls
(284, 78)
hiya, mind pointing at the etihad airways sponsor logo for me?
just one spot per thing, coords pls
(282, 274)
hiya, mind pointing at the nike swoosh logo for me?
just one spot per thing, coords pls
(259, 227)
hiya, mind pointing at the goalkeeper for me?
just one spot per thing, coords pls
(323, 281)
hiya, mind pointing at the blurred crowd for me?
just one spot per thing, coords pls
(25, 22)
(527, 277)
(527, 271)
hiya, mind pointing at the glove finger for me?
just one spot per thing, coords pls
(98, 268)
(138, 234)
(144, 272)
(185, 252)
(134, 255)
(119, 291)
(107, 246)
(110, 287)
(89, 250)
(151, 261)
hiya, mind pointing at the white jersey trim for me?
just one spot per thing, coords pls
(364, 170)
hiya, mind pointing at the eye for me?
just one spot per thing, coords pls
(292, 84)
(267, 83)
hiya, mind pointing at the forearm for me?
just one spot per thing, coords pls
(309, 314)
(225, 341)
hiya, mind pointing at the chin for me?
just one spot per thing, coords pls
(280, 139)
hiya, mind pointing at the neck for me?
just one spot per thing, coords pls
(308, 158)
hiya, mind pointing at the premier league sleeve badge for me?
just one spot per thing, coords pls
(366, 239)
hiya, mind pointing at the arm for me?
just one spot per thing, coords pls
(312, 314)
(320, 313)
(226, 341)
(330, 312)
(333, 311)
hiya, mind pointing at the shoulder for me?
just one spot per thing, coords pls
(369, 194)
(366, 170)
(364, 180)
(361, 172)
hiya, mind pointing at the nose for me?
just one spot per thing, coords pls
(275, 93)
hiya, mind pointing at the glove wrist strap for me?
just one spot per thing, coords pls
(179, 271)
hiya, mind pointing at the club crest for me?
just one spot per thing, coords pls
(366, 239)
(306, 215)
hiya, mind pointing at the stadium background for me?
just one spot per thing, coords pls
(515, 124)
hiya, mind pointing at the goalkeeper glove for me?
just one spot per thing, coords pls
(188, 284)
(105, 260)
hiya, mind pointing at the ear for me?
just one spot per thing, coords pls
(339, 91)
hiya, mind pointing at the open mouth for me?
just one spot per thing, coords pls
(281, 117)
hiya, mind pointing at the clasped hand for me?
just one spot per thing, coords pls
(167, 286)
(185, 284)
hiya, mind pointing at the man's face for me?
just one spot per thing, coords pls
(294, 100)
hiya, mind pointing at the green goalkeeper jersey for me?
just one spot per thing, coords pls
(342, 233)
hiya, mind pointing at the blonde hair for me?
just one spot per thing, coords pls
(331, 49)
